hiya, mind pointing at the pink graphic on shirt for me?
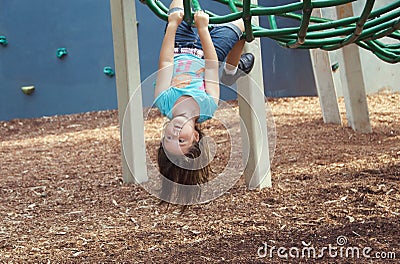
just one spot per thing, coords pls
(183, 66)
(183, 76)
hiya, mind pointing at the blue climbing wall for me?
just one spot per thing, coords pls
(76, 82)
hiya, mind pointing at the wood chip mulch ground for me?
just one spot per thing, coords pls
(63, 199)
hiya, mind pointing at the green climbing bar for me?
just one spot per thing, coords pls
(365, 30)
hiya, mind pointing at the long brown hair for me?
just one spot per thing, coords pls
(178, 170)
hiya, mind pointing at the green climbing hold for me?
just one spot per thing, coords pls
(109, 71)
(61, 52)
(3, 41)
(335, 66)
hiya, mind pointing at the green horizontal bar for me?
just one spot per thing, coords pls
(381, 23)
(313, 32)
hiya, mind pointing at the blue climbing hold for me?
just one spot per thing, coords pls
(61, 52)
(3, 41)
(109, 71)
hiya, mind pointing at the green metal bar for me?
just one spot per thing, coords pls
(373, 24)
(226, 18)
(385, 9)
(232, 6)
(381, 53)
(262, 11)
(301, 35)
(396, 35)
(394, 47)
(211, 14)
(272, 22)
(383, 18)
(370, 31)
(287, 9)
(196, 5)
(162, 6)
(247, 20)
(385, 32)
(319, 43)
(326, 44)
(364, 30)
(338, 26)
(157, 10)
(359, 26)
(325, 41)
(330, 3)
(239, 3)
(188, 16)
(160, 10)
(325, 23)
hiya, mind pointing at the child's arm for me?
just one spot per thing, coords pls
(210, 55)
(166, 59)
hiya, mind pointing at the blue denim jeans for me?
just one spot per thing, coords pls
(224, 36)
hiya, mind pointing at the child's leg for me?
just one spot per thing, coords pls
(236, 60)
(227, 37)
(233, 58)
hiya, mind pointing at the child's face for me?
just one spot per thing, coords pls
(179, 135)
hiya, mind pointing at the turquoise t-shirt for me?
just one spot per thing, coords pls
(187, 79)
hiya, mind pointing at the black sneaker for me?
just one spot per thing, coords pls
(245, 66)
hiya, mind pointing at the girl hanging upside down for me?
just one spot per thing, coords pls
(187, 92)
